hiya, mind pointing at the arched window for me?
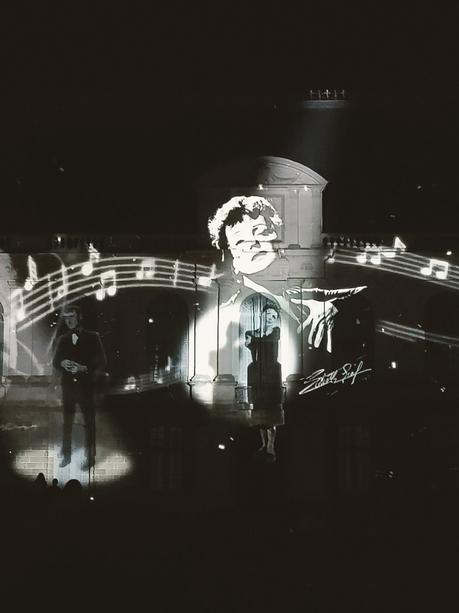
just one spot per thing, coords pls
(259, 345)
(167, 340)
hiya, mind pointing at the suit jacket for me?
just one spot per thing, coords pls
(87, 351)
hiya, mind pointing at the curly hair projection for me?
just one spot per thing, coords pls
(232, 212)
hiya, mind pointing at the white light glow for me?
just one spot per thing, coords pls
(393, 364)
(375, 258)
(204, 281)
(108, 467)
(408, 265)
(414, 333)
(221, 447)
(86, 269)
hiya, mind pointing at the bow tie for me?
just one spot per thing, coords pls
(75, 338)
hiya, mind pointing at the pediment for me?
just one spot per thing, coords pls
(265, 170)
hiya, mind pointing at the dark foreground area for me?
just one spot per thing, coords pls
(381, 552)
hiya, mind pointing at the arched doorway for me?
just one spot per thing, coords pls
(256, 313)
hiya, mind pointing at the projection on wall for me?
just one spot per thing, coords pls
(235, 331)
(247, 231)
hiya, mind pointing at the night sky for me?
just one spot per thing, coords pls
(111, 115)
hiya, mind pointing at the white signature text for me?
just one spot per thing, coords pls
(320, 378)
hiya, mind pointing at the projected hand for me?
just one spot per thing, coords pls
(319, 321)
(67, 365)
(320, 311)
(73, 367)
(78, 368)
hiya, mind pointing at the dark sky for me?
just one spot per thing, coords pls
(110, 114)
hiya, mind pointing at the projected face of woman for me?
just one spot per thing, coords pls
(270, 317)
(251, 244)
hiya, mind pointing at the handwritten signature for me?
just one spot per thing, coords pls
(320, 378)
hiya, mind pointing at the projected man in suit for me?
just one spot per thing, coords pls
(80, 357)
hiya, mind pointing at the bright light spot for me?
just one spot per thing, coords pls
(399, 244)
(393, 364)
(260, 186)
(449, 252)
(113, 466)
(28, 285)
(231, 438)
(150, 320)
(306, 188)
(91, 498)
(111, 291)
(205, 281)
(390, 253)
(418, 186)
(59, 239)
(131, 384)
(86, 269)
(375, 259)
(443, 389)
(361, 258)
(221, 446)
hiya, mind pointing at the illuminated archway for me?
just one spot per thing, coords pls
(251, 322)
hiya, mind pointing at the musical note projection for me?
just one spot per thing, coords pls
(436, 267)
(69, 284)
(176, 271)
(147, 269)
(94, 256)
(374, 254)
(33, 274)
(107, 284)
(56, 294)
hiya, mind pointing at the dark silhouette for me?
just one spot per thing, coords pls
(40, 483)
(72, 492)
